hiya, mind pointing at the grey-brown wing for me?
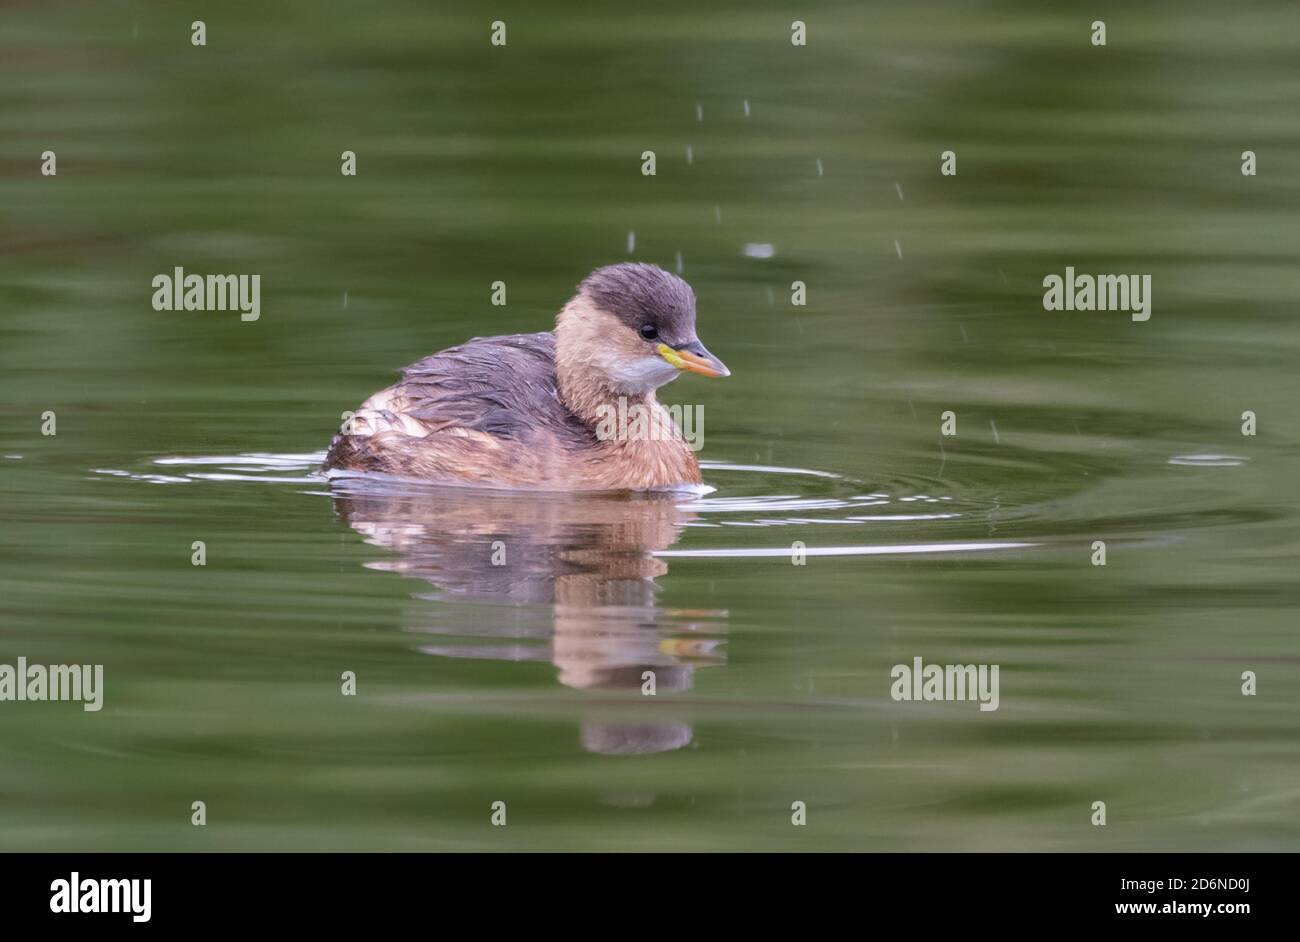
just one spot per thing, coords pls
(452, 413)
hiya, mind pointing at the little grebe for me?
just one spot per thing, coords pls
(526, 410)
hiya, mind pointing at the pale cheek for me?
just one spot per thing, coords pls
(641, 375)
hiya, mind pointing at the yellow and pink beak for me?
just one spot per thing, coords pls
(694, 358)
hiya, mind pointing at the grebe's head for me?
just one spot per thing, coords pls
(634, 325)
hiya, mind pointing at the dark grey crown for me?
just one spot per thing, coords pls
(637, 293)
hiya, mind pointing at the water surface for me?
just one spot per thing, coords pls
(522, 682)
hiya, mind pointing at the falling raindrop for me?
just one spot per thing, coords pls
(996, 440)
(771, 299)
(345, 299)
(746, 107)
(679, 263)
(699, 111)
(631, 242)
(898, 248)
(819, 166)
(690, 154)
(899, 188)
(717, 214)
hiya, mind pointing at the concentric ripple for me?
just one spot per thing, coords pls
(803, 502)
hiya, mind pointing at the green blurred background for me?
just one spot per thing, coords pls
(522, 164)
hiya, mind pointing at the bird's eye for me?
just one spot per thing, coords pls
(649, 331)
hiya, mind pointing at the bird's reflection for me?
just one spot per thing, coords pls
(576, 575)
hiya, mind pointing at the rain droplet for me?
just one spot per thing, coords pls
(699, 111)
(679, 263)
(690, 154)
(746, 107)
(898, 248)
(819, 166)
(631, 242)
